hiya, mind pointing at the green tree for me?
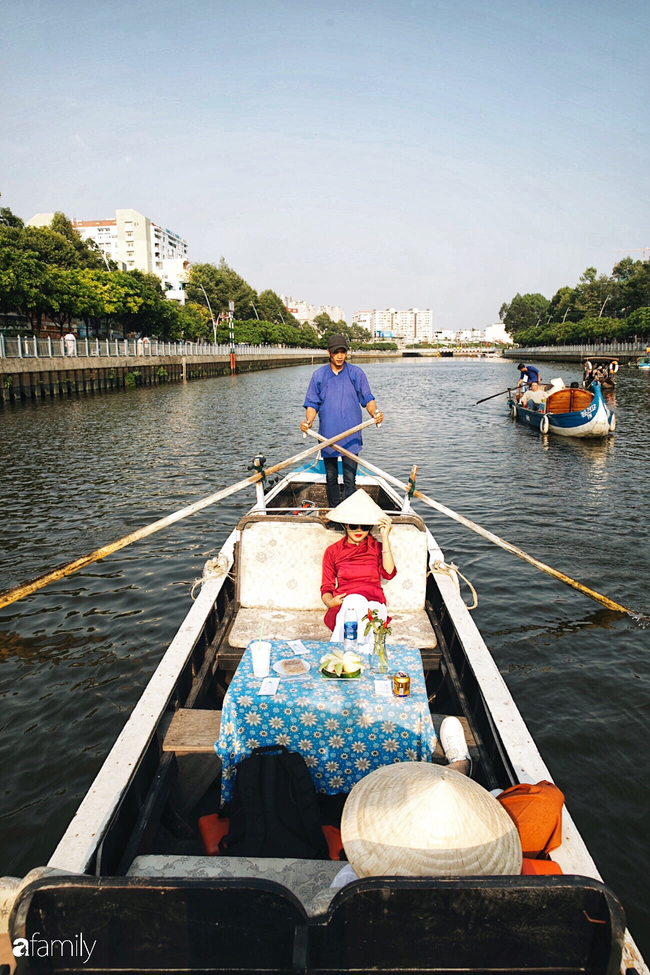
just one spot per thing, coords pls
(87, 252)
(9, 219)
(221, 285)
(524, 312)
(24, 279)
(270, 307)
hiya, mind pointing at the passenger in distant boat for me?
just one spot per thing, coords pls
(533, 398)
(354, 567)
(528, 374)
(336, 393)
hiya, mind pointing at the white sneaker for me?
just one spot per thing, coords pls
(452, 739)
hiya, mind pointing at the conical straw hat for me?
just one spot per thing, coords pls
(358, 509)
(421, 820)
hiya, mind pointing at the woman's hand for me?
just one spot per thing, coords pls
(335, 600)
(385, 527)
(305, 426)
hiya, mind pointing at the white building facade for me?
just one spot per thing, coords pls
(305, 312)
(136, 243)
(497, 334)
(409, 327)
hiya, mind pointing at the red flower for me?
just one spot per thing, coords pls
(370, 615)
(388, 619)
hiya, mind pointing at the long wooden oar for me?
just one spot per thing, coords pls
(25, 588)
(502, 393)
(585, 590)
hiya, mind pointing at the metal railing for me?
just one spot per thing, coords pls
(587, 347)
(31, 347)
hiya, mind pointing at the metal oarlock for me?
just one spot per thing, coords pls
(406, 507)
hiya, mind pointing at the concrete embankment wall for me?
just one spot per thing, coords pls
(42, 379)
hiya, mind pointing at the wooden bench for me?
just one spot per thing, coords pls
(192, 732)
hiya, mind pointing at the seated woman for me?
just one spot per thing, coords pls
(354, 567)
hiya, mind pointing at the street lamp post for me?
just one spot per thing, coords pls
(214, 324)
(603, 305)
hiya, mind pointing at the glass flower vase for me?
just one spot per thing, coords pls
(379, 656)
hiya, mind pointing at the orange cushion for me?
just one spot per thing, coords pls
(529, 867)
(334, 841)
(536, 811)
(212, 830)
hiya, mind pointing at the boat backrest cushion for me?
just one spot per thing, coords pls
(280, 566)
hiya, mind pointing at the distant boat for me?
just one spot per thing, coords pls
(601, 369)
(643, 362)
(570, 412)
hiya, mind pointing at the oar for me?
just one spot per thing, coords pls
(25, 588)
(502, 393)
(585, 590)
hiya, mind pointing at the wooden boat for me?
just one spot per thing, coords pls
(601, 369)
(128, 875)
(567, 411)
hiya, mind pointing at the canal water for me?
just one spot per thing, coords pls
(75, 657)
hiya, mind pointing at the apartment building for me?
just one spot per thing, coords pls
(135, 242)
(305, 312)
(408, 327)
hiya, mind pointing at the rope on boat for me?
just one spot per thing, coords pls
(451, 569)
(216, 568)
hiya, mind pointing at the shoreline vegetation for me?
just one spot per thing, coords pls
(600, 308)
(52, 280)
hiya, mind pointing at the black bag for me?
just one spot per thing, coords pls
(274, 810)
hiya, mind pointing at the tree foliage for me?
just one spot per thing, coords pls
(51, 272)
(599, 307)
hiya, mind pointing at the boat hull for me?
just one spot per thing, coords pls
(593, 421)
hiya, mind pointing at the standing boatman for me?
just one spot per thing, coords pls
(528, 376)
(336, 392)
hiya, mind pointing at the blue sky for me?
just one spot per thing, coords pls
(428, 153)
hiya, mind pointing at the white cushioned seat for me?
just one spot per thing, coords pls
(307, 879)
(280, 569)
(412, 629)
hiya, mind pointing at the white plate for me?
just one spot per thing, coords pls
(279, 667)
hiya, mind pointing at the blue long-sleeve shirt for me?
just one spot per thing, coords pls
(338, 398)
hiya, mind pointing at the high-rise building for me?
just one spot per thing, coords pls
(135, 242)
(305, 312)
(409, 327)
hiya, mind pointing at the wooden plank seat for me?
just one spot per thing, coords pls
(192, 731)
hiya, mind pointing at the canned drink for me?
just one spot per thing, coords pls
(401, 684)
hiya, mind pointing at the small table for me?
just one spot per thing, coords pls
(342, 728)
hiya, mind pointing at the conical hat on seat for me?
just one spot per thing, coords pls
(420, 820)
(358, 509)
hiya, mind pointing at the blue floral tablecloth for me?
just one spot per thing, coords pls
(341, 727)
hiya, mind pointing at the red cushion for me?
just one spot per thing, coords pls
(212, 830)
